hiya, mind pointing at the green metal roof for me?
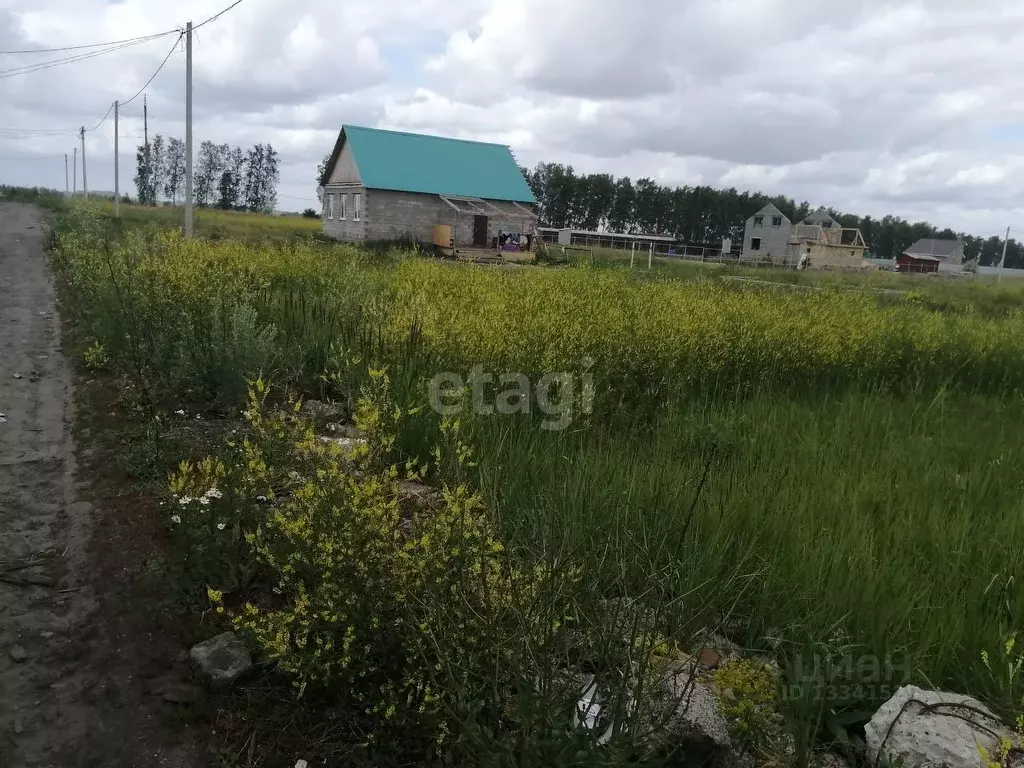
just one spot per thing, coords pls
(412, 162)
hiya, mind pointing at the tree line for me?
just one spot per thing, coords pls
(700, 215)
(224, 177)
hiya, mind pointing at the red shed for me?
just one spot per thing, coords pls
(927, 254)
(907, 263)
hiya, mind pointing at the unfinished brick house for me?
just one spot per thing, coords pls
(819, 240)
(389, 185)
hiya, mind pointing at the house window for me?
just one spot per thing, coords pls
(808, 249)
(755, 243)
(342, 198)
(826, 225)
(759, 221)
(776, 221)
(356, 200)
(328, 207)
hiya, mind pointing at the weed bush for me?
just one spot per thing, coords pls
(392, 612)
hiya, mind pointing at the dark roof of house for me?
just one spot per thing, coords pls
(819, 215)
(932, 249)
(413, 162)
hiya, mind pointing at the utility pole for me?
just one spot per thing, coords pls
(145, 144)
(188, 130)
(67, 185)
(1002, 260)
(117, 167)
(74, 172)
(85, 178)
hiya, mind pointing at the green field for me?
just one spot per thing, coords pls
(814, 472)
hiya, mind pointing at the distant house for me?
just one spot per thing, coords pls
(766, 234)
(819, 240)
(388, 185)
(931, 255)
(827, 244)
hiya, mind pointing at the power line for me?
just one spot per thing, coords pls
(103, 119)
(113, 43)
(35, 130)
(49, 64)
(216, 15)
(141, 38)
(106, 48)
(139, 92)
(16, 134)
(151, 78)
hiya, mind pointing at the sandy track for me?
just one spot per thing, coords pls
(65, 693)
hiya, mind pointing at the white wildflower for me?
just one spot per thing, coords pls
(214, 493)
(180, 412)
(204, 500)
(261, 499)
(221, 526)
(185, 500)
(175, 519)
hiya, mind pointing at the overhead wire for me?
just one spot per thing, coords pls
(141, 38)
(216, 15)
(28, 133)
(74, 59)
(105, 48)
(153, 76)
(102, 119)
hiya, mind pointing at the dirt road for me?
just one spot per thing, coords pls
(69, 691)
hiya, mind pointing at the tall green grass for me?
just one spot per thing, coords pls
(897, 519)
(816, 468)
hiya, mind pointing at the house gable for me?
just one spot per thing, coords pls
(344, 169)
(768, 211)
(821, 218)
(763, 237)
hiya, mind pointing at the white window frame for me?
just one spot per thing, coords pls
(342, 199)
(329, 207)
(357, 198)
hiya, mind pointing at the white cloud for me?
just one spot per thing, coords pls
(872, 106)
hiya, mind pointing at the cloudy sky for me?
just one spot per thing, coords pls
(870, 106)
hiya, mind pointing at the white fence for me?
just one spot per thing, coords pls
(997, 272)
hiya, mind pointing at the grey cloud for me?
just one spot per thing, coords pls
(872, 106)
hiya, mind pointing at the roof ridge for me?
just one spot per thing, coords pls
(347, 126)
